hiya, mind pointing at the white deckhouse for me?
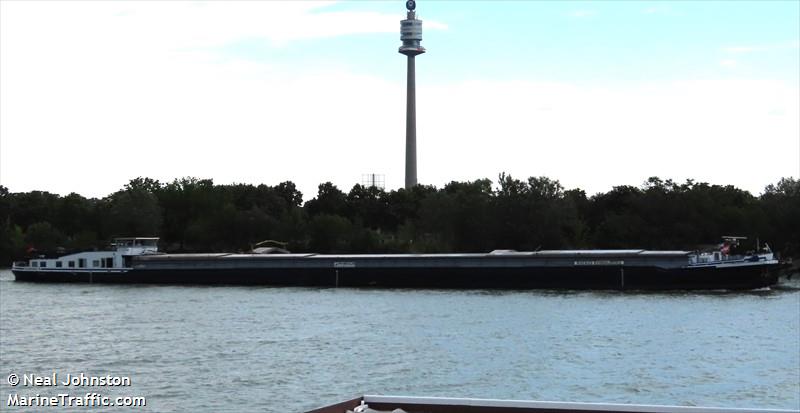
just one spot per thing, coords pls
(116, 260)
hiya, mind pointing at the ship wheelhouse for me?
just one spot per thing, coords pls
(94, 261)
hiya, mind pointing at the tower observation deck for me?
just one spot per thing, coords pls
(411, 35)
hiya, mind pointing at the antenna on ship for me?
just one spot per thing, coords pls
(411, 35)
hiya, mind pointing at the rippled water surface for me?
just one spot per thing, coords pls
(221, 349)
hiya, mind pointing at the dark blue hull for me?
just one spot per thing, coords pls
(578, 278)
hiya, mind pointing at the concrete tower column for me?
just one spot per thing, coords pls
(411, 35)
(411, 126)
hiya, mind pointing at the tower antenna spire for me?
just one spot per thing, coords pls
(411, 35)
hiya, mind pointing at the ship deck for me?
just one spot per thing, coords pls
(505, 259)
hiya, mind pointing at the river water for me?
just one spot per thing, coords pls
(232, 349)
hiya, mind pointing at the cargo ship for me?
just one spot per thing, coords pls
(137, 260)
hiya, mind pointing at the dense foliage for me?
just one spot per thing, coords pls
(195, 215)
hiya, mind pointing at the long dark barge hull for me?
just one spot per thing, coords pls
(578, 278)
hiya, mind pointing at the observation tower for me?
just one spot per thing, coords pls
(411, 35)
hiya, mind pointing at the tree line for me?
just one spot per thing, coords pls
(192, 215)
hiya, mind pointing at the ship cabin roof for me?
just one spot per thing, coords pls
(136, 242)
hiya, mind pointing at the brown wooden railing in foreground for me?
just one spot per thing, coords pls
(339, 407)
(462, 405)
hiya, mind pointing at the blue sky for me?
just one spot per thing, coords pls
(594, 94)
(587, 42)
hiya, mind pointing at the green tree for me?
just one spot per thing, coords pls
(289, 193)
(781, 206)
(369, 205)
(195, 214)
(185, 201)
(43, 237)
(472, 220)
(133, 212)
(329, 200)
(329, 233)
(75, 214)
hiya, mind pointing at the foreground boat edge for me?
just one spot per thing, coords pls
(413, 404)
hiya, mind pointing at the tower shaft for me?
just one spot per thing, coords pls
(411, 125)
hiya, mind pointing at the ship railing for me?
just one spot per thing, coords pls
(735, 257)
(706, 257)
(375, 403)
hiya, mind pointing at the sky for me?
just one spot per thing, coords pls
(593, 94)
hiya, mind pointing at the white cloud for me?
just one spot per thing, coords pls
(761, 48)
(737, 131)
(727, 62)
(106, 91)
(582, 13)
(740, 49)
(95, 102)
(659, 9)
(247, 122)
(166, 25)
